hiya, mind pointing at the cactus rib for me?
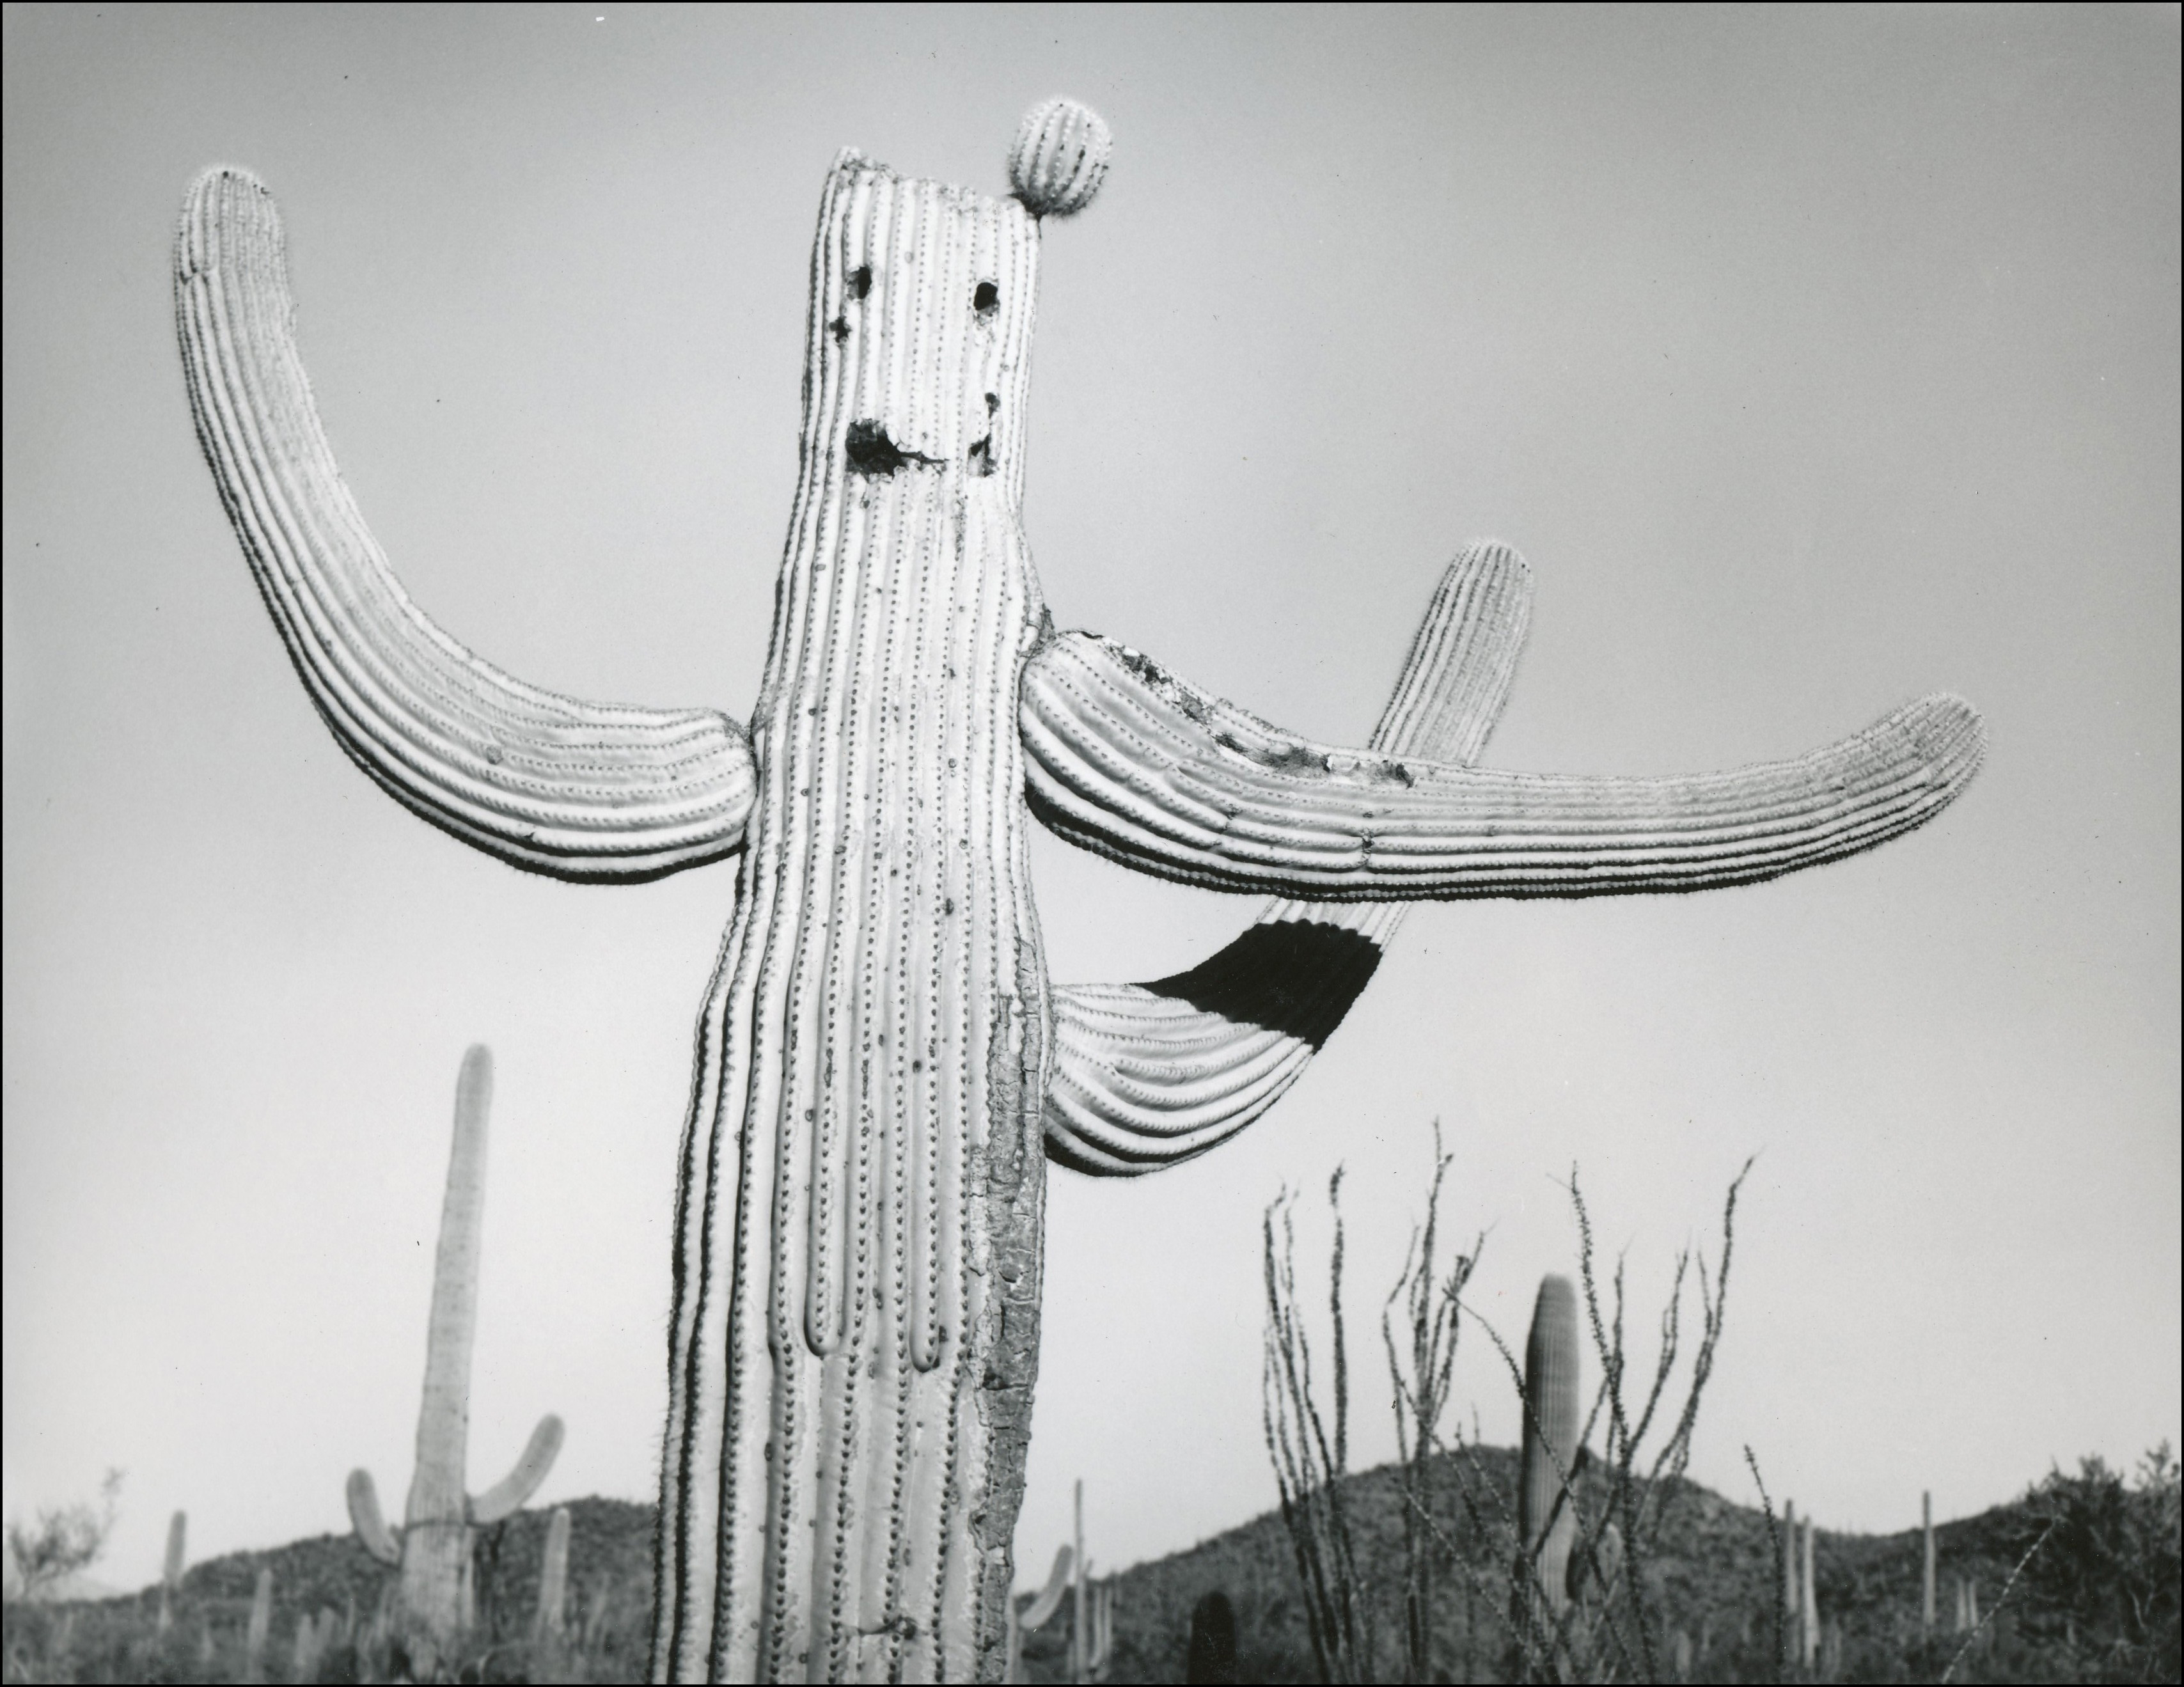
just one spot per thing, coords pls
(573, 789)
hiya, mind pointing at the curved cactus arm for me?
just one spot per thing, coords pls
(508, 1494)
(1148, 1076)
(1132, 763)
(576, 790)
(369, 1522)
(1050, 1597)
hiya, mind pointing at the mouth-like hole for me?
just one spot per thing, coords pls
(871, 451)
(986, 298)
(860, 281)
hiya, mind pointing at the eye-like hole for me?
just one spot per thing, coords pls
(860, 281)
(986, 299)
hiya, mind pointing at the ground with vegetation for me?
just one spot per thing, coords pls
(2099, 1601)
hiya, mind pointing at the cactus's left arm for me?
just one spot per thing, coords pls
(1132, 763)
(585, 791)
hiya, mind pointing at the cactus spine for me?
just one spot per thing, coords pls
(855, 1321)
(434, 1549)
(553, 1578)
(1546, 1515)
(171, 1572)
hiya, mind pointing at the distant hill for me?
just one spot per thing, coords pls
(1712, 1584)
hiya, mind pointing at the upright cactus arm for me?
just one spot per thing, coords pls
(1132, 763)
(1148, 1076)
(370, 1522)
(506, 1496)
(576, 790)
(1049, 1601)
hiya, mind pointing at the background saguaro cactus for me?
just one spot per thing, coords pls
(554, 1579)
(170, 1573)
(854, 1333)
(434, 1549)
(1546, 1509)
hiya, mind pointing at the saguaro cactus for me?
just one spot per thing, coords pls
(170, 1573)
(854, 1324)
(1547, 1514)
(1927, 1560)
(554, 1579)
(260, 1627)
(434, 1548)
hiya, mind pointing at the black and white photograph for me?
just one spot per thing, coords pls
(1023, 844)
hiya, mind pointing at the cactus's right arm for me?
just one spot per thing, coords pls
(1149, 1076)
(576, 790)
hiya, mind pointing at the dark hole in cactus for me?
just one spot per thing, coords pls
(993, 403)
(986, 298)
(871, 451)
(980, 456)
(860, 281)
(839, 327)
(1296, 976)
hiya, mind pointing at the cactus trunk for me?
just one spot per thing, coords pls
(857, 1293)
(1546, 1518)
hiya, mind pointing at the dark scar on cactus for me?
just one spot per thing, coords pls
(986, 299)
(839, 328)
(980, 456)
(1296, 976)
(860, 281)
(871, 451)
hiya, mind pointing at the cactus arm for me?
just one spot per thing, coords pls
(1049, 1601)
(1148, 1076)
(572, 789)
(369, 1522)
(1126, 761)
(507, 1495)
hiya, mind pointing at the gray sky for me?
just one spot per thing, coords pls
(1815, 358)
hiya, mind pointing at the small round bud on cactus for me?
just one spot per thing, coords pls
(1060, 158)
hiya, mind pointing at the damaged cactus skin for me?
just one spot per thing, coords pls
(881, 1072)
